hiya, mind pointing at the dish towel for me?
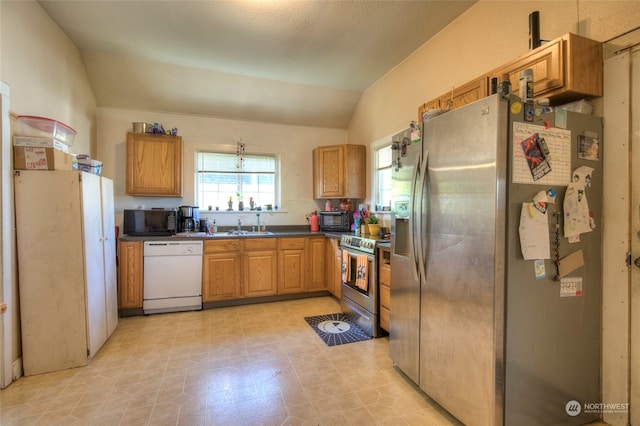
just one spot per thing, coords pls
(362, 281)
(346, 266)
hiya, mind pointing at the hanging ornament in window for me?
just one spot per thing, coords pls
(240, 155)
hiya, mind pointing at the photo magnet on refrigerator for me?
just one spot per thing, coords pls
(536, 156)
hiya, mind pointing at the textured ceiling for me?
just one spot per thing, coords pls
(290, 62)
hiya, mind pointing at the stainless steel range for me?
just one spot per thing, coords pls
(360, 292)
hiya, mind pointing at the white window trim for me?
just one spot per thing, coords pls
(277, 182)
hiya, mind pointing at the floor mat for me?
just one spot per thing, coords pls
(336, 329)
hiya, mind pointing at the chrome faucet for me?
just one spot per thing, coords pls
(258, 216)
(239, 225)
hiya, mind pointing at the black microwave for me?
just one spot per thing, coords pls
(155, 222)
(337, 221)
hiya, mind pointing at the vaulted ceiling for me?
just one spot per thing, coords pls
(298, 62)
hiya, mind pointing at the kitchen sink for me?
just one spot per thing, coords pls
(240, 233)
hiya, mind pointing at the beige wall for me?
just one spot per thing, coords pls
(44, 71)
(293, 144)
(46, 78)
(487, 35)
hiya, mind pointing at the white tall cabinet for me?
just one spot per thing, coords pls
(66, 264)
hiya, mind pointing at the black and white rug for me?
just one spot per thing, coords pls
(336, 329)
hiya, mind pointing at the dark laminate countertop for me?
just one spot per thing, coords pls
(273, 232)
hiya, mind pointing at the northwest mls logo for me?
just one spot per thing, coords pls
(573, 408)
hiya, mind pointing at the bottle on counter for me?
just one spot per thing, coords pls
(315, 223)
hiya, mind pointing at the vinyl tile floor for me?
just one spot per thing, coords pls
(248, 365)
(257, 364)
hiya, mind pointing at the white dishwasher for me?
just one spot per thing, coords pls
(172, 276)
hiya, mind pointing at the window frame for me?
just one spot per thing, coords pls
(277, 173)
(376, 190)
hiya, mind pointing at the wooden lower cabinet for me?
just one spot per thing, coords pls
(333, 266)
(130, 272)
(316, 276)
(221, 270)
(384, 278)
(243, 268)
(292, 255)
(260, 261)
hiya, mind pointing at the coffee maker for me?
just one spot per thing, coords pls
(188, 219)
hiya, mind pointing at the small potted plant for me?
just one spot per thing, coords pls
(230, 203)
(240, 202)
(374, 226)
(252, 204)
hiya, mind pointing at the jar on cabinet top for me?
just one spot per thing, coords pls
(345, 205)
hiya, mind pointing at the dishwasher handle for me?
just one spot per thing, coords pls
(172, 248)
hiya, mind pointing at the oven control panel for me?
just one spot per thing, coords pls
(357, 243)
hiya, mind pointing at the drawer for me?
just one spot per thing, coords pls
(385, 319)
(260, 244)
(385, 296)
(292, 243)
(385, 274)
(221, 246)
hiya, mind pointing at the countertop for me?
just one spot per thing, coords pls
(273, 232)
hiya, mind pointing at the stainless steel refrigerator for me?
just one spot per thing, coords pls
(494, 338)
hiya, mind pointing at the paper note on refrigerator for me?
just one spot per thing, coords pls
(576, 207)
(571, 287)
(534, 233)
(558, 144)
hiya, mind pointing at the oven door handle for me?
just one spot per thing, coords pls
(353, 254)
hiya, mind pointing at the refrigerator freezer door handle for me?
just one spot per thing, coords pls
(418, 199)
(413, 222)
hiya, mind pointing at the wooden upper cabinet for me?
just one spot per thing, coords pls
(339, 171)
(154, 165)
(459, 96)
(547, 64)
(565, 69)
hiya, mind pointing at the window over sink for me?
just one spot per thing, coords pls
(221, 177)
